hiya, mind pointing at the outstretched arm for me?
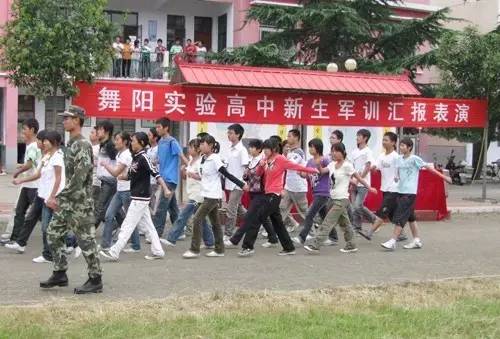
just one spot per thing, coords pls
(439, 174)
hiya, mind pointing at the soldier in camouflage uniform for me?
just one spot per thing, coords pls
(74, 209)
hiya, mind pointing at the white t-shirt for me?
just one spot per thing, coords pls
(386, 163)
(48, 174)
(359, 158)
(123, 158)
(341, 179)
(193, 186)
(237, 160)
(95, 152)
(152, 154)
(211, 178)
(294, 182)
(34, 155)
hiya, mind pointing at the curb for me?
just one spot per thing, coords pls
(474, 209)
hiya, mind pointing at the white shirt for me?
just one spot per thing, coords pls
(152, 154)
(211, 186)
(359, 158)
(254, 161)
(123, 158)
(34, 155)
(48, 174)
(95, 152)
(386, 163)
(117, 47)
(237, 160)
(193, 186)
(341, 179)
(294, 182)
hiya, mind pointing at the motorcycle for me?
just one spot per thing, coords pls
(454, 169)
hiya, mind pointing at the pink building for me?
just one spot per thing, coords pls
(217, 23)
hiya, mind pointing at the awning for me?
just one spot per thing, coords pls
(293, 79)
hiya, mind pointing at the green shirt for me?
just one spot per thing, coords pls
(175, 49)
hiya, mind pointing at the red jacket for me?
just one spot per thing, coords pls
(275, 170)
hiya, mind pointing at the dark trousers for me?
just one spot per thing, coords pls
(33, 215)
(268, 226)
(320, 205)
(263, 207)
(106, 193)
(126, 67)
(26, 198)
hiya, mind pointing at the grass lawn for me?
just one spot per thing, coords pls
(468, 308)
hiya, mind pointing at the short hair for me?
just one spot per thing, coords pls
(273, 145)
(392, 136)
(142, 138)
(340, 147)
(164, 122)
(255, 143)
(159, 40)
(408, 142)
(195, 143)
(53, 137)
(364, 133)
(33, 124)
(188, 40)
(339, 135)
(295, 132)
(125, 136)
(155, 133)
(107, 126)
(41, 135)
(238, 129)
(146, 40)
(317, 144)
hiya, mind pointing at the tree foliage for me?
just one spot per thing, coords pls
(50, 44)
(324, 31)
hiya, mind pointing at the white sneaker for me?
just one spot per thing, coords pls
(297, 240)
(415, 244)
(16, 247)
(108, 255)
(214, 254)
(190, 255)
(229, 244)
(268, 244)
(329, 242)
(148, 241)
(41, 260)
(246, 252)
(348, 250)
(153, 257)
(130, 250)
(77, 252)
(291, 229)
(309, 237)
(182, 237)
(389, 245)
(5, 236)
(68, 250)
(166, 242)
(263, 234)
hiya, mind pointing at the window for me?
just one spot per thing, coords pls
(126, 125)
(221, 32)
(265, 31)
(203, 31)
(127, 23)
(54, 121)
(176, 28)
(25, 110)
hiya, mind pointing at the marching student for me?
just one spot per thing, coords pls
(212, 169)
(408, 167)
(138, 214)
(341, 172)
(237, 161)
(362, 160)
(295, 185)
(273, 167)
(320, 184)
(256, 189)
(121, 199)
(193, 189)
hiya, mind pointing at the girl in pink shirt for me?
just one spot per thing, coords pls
(273, 167)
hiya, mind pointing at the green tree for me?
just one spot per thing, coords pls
(49, 45)
(324, 31)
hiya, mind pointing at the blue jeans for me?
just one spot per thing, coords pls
(71, 240)
(166, 205)
(360, 211)
(119, 200)
(318, 206)
(181, 222)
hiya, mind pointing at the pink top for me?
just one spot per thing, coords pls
(275, 170)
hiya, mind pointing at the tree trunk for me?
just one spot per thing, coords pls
(477, 160)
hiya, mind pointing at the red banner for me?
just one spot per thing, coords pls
(139, 100)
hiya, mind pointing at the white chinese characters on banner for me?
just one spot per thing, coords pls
(174, 102)
(109, 99)
(441, 112)
(236, 105)
(393, 111)
(418, 112)
(265, 105)
(462, 113)
(372, 110)
(320, 108)
(142, 100)
(293, 108)
(346, 109)
(205, 104)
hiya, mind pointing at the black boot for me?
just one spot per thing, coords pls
(58, 278)
(92, 285)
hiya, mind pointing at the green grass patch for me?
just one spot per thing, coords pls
(458, 309)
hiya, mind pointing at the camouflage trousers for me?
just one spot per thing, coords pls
(83, 227)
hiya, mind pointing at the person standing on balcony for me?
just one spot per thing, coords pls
(175, 50)
(160, 56)
(190, 51)
(136, 59)
(201, 52)
(117, 57)
(146, 59)
(127, 58)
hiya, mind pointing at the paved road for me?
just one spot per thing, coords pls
(465, 246)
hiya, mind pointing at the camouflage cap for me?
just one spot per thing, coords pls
(74, 112)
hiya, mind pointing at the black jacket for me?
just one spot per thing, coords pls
(139, 174)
